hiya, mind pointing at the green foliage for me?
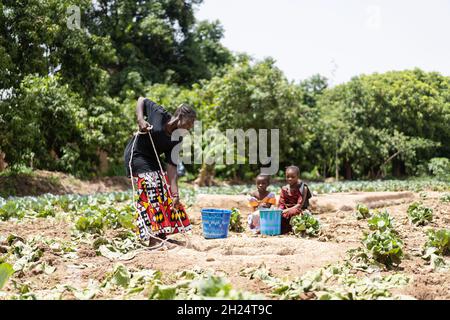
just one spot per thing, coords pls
(157, 42)
(95, 218)
(187, 285)
(333, 282)
(121, 276)
(92, 214)
(342, 186)
(6, 270)
(200, 285)
(380, 221)
(384, 121)
(93, 223)
(11, 209)
(259, 90)
(380, 185)
(68, 95)
(362, 211)
(419, 214)
(440, 168)
(305, 224)
(445, 198)
(384, 246)
(439, 241)
(24, 255)
(313, 175)
(64, 85)
(235, 221)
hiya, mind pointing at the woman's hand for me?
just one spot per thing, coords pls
(144, 126)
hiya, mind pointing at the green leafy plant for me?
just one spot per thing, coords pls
(419, 214)
(121, 276)
(440, 167)
(384, 246)
(362, 211)
(337, 282)
(438, 241)
(235, 221)
(380, 221)
(6, 270)
(445, 198)
(92, 224)
(24, 291)
(47, 211)
(24, 254)
(305, 224)
(361, 259)
(11, 209)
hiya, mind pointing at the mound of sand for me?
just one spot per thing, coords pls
(319, 204)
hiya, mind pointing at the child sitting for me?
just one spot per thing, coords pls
(260, 199)
(294, 197)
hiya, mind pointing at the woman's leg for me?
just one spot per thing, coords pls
(143, 223)
(165, 219)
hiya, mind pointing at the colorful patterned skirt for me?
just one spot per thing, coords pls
(156, 214)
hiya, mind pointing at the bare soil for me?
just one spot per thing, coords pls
(41, 182)
(286, 256)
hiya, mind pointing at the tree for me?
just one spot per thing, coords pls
(393, 118)
(158, 40)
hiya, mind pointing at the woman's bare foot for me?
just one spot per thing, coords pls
(157, 240)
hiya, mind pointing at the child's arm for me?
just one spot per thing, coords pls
(269, 201)
(282, 200)
(252, 202)
(295, 210)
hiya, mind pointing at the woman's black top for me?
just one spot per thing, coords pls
(144, 158)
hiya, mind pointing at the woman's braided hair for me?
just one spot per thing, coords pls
(184, 111)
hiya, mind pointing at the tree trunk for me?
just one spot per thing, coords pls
(336, 167)
(348, 170)
(3, 163)
(206, 175)
(398, 168)
(103, 161)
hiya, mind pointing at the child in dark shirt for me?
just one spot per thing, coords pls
(293, 197)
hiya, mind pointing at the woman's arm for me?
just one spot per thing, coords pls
(143, 125)
(173, 180)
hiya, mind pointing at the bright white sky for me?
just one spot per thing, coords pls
(338, 39)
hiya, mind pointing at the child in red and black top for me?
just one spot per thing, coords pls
(291, 199)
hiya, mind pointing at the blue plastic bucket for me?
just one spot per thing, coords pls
(215, 223)
(270, 222)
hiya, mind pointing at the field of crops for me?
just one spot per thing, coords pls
(83, 247)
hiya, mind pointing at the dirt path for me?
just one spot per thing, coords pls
(321, 203)
(41, 182)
